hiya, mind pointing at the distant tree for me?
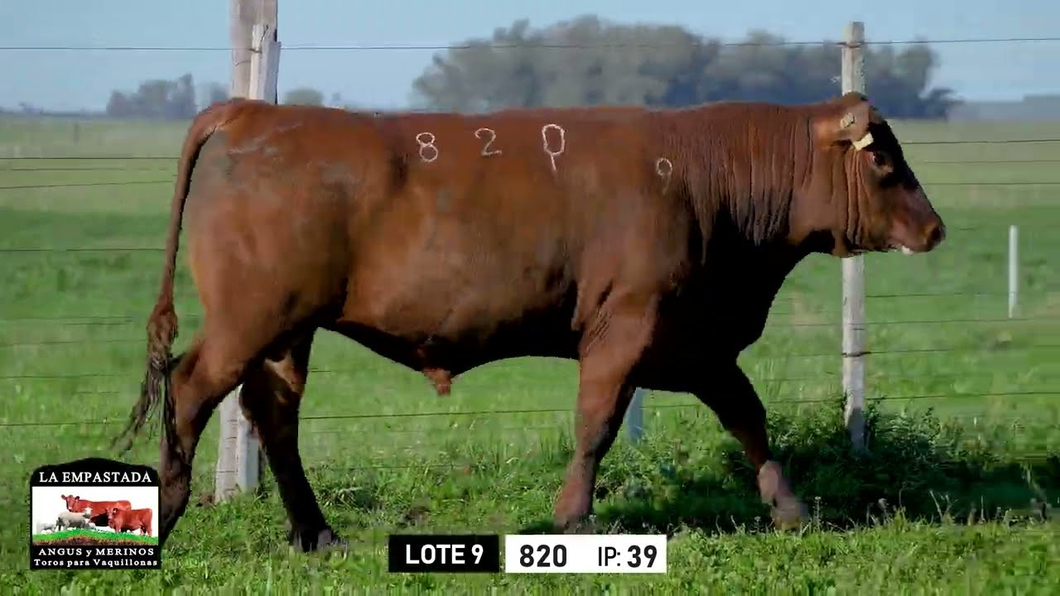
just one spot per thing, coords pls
(211, 93)
(589, 61)
(306, 96)
(120, 105)
(155, 99)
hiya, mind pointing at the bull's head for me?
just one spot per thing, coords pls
(878, 203)
(111, 512)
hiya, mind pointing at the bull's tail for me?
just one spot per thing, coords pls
(162, 324)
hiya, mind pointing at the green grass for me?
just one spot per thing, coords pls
(965, 430)
(94, 534)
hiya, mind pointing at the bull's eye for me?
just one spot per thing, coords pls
(882, 162)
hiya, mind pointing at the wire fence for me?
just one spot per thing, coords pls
(1038, 349)
(296, 47)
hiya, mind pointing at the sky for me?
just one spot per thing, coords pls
(382, 78)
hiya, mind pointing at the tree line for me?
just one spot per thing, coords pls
(589, 61)
(180, 99)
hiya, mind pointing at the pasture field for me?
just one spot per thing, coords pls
(94, 537)
(958, 495)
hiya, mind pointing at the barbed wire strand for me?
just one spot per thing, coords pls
(143, 182)
(531, 45)
(698, 408)
(1045, 225)
(568, 410)
(82, 184)
(90, 169)
(912, 142)
(784, 356)
(100, 319)
(824, 378)
(156, 249)
(170, 167)
(778, 325)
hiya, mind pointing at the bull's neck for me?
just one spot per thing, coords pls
(740, 165)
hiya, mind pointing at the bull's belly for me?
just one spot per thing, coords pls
(430, 310)
(457, 331)
(457, 354)
(681, 351)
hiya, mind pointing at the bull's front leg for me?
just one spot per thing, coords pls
(598, 419)
(610, 349)
(734, 400)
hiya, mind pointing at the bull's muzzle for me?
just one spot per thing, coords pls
(936, 233)
(920, 233)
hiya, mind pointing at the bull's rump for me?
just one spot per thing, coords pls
(425, 227)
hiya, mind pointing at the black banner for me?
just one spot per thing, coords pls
(94, 471)
(148, 556)
(431, 553)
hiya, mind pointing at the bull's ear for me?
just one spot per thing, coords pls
(851, 126)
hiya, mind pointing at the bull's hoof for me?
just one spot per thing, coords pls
(309, 541)
(789, 514)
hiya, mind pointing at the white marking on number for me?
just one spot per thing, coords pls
(429, 144)
(486, 151)
(664, 168)
(562, 142)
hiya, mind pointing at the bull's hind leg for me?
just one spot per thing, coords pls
(610, 350)
(271, 394)
(202, 378)
(739, 409)
(209, 370)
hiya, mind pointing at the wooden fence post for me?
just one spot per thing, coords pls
(264, 62)
(255, 68)
(853, 79)
(635, 416)
(1013, 271)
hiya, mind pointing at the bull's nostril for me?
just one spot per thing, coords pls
(936, 234)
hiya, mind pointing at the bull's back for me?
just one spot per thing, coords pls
(481, 222)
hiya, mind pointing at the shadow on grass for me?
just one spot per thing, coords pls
(930, 469)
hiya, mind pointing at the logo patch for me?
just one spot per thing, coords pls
(94, 513)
